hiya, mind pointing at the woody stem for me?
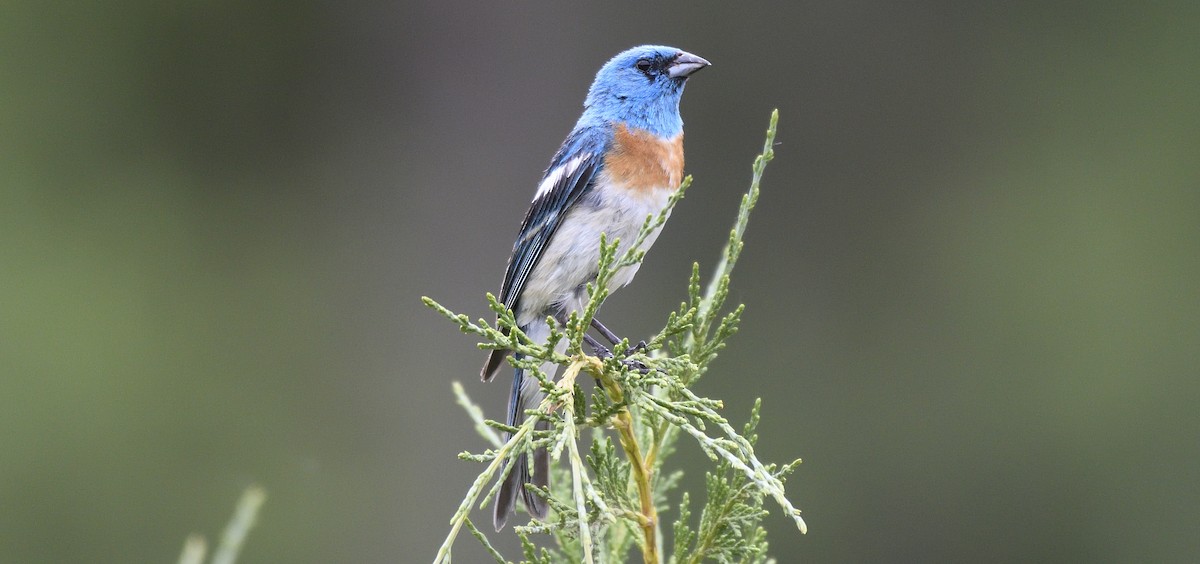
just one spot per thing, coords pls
(640, 471)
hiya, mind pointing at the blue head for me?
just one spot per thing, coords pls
(641, 87)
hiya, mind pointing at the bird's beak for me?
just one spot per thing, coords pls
(685, 64)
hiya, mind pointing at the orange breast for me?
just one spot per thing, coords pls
(640, 161)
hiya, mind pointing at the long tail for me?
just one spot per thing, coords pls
(525, 395)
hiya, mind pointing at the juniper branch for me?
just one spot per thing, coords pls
(601, 507)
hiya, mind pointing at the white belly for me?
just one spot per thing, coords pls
(570, 260)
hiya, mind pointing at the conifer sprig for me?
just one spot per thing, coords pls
(603, 504)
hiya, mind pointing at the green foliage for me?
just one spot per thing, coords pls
(234, 536)
(604, 504)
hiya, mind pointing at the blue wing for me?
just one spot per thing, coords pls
(572, 174)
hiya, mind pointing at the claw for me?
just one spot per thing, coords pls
(597, 348)
(636, 365)
(604, 353)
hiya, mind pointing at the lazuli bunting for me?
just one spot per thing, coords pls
(620, 164)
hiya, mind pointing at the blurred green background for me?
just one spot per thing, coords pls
(972, 285)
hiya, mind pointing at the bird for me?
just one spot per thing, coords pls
(619, 164)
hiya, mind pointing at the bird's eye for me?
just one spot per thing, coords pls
(643, 65)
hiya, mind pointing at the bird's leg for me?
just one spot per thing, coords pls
(597, 348)
(612, 338)
(602, 351)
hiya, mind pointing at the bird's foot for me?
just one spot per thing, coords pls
(604, 353)
(635, 365)
(601, 351)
